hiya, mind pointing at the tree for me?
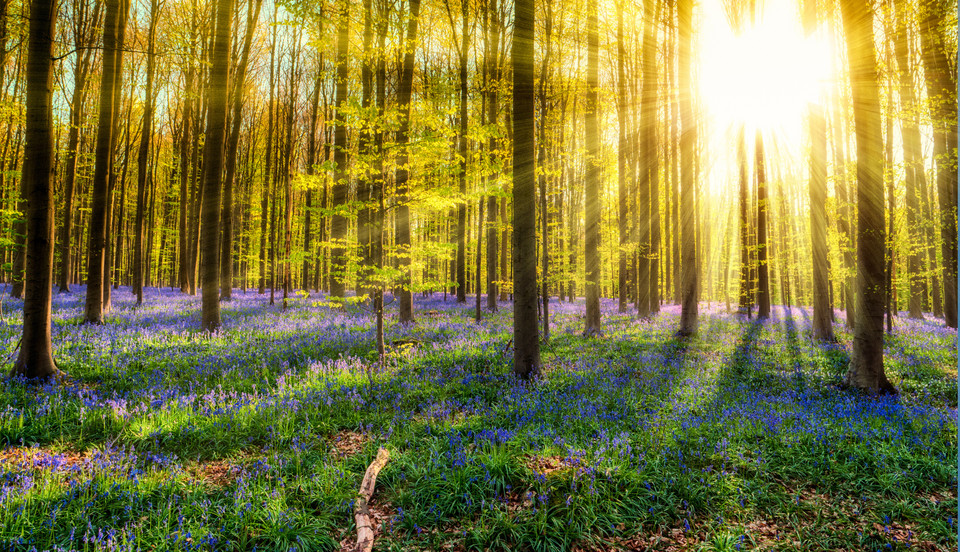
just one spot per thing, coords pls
(591, 186)
(402, 220)
(143, 154)
(941, 80)
(689, 279)
(526, 338)
(462, 140)
(492, 69)
(650, 164)
(866, 363)
(338, 229)
(822, 313)
(763, 269)
(217, 97)
(84, 31)
(96, 251)
(35, 360)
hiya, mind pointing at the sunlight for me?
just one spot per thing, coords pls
(765, 76)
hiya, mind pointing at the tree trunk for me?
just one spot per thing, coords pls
(96, 243)
(493, 106)
(338, 233)
(591, 187)
(689, 279)
(35, 359)
(526, 355)
(763, 269)
(218, 93)
(650, 168)
(822, 313)
(866, 363)
(913, 164)
(267, 172)
(143, 154)
(942, 85)
(402, 175)
(622, 153)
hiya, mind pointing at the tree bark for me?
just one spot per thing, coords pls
(338, 233)
(942, 87)
(591, 187)
(526, 339)
(689, 279)
(402, 175)
(650, 168)
(143, 154)
(217, 95)
(763, 268)
(493, 107)
(96, 243)
(35, 359)
(866, 363)
(822, 313)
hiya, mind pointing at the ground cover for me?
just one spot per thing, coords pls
(164, 438)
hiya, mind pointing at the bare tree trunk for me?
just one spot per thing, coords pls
(218, 94)
(913, 163)
(763, 269)
(526, 357)
(143, 154)
(650, 167)
(98, 217)
(592, 181)
(866, 363)
(942, 84)
(493, 106)
(338, 233)
(689, 279)
(822, 313)
(268, 170)
(622, 153)
(402, 220)
(35, 360)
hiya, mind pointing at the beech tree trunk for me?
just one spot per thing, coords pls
(96, 243)
(402, 175)
(338, 232)
(822, 313)
(35, 359)
(526, 339)
(591, 186)
(866, 363)
(143, 154)
(689, 266)
(217, 97)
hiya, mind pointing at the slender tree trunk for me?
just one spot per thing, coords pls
(913, 164)
(866, 363)
(35, 359)
(526, 353)
(822, 313)
(622, 154)
(493, 107)
(402, 218)
(650, 167)
(941, 80)
(462, 176)
(233, 141)
(143, 154)
(98, 217)
(763, 268)
(591, 139)
(689, 279)
(338, 234)
(268, 170)
(218, 93)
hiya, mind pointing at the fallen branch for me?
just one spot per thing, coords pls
(507, 348)
(361, 514)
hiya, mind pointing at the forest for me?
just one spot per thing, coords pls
(478, 275)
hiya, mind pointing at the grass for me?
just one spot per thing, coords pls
(165, 438)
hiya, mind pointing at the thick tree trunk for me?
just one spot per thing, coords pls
(35, 359)
(591, 187)
(218, 92)
(689, 279)
(526, 356)
(866, 363)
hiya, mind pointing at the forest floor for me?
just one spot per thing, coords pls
(164, 438)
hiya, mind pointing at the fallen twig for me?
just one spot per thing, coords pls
(361, 514)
